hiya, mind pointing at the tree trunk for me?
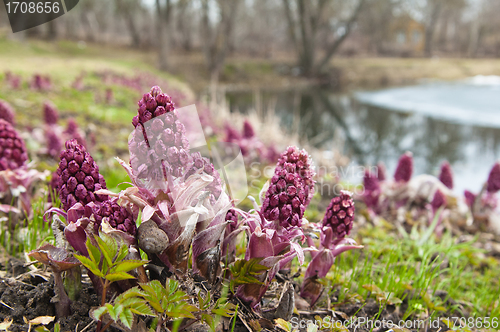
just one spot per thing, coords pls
(431, 27)
(161, 27)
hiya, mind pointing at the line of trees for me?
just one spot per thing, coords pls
(313, 31)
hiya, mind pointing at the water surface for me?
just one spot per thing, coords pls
(437, 121)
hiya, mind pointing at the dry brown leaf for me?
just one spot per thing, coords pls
(5, 324)
(44, 320)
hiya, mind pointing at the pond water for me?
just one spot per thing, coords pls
(437, 121)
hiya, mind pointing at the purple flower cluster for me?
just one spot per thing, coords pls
(493, 183)
(340, 214)
(40, 82)
(201, 163)
(79, 175)
(78, 179)
(158, 146)
(13, 80)
(337, 224)
(54, 143)
(446, 175)
(438, 200)
(404, 169)
(50, 114)
(118, 216)
(13, 152)
(72, 131)
(6, 112)
(291, 188)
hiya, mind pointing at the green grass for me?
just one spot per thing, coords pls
(393, 268)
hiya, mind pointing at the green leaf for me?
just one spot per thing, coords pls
(99, 312)
(106, 249)
(127, 317)
(42, 329)
(128, 265)
(130, 293)
(141, 308)
(57, 327)
(90, 265)
(172, 286)
(115, 311)
(118, 276)
(94, 253)
(122, 253)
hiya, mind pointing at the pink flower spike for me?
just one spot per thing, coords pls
(493, 183)
(446, 174)
(404, 169)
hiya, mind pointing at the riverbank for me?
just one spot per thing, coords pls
(346, 74)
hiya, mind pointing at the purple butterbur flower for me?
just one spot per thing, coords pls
(248, 131)
(438, 200)
(13, 152)
(446, 174)
(50, 114)
(290, 190)
(233, 228)
(80, 176)
(372, 190)
(493, 183)
(275, 248)
(339, 215)
(6, 112)
(72, 131)
(54, 144)
(117, 216)
(336, 225)
(381, 171)
(158, 147)
(232, 134)
(404, 169)
(40, 82)
(469, 198)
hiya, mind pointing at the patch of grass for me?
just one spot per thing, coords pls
(436, 277)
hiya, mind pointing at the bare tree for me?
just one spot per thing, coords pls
(163, 22)
(128, 9)
(305, 18)
(215, 35)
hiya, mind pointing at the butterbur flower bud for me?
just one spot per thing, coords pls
(149, 103)
(446, 175)
(290, 190)
(13, 152)
(371, 182)
(50, 114)
(298, 161)
(166, 148)
(231, 134)
(233, 217)
(404, 169)
(469, 198)
(248, 131)
(202, 163)
(72, 131)
(6, 112)
(381, 172)
(339, 215)
(438, 200)
(493, 184)
(79, 176)
(118, 217)
(54, 143)
(372, 189)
